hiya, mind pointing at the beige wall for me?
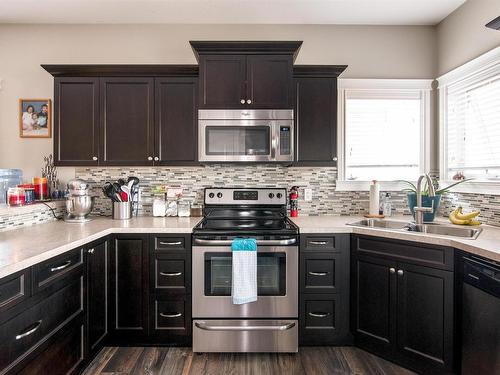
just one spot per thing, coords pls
(370, 52)
(462, 36)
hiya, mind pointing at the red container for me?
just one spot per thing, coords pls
(16, 197)
(41, 188)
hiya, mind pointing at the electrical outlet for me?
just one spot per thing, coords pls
(308, 195)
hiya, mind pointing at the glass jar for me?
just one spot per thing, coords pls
(184, 208)
(196, 210)
(41, 188)
(16, 196)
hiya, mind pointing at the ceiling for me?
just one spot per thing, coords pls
(360, 12)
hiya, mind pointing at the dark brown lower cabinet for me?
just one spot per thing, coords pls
(97, 259)
(403, 311)
(129, 292)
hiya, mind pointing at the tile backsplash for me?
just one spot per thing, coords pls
(326, 201)
(322, 181)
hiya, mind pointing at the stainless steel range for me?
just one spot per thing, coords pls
(269, 324)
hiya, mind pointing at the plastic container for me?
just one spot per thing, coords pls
(41, 188)
(16, 196)
(184, 209)
(9, 178)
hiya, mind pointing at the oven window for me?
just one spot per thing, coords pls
(271, 274)
(238, 140)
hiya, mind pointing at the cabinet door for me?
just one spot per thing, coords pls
(176, 120)
(127, 106)
(316, 121)
(222, 81)
(76, 121)
(374, 301)
(425, 317)
(129, 288)
(97, 294)
(270, 81)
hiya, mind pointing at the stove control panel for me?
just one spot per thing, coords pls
(244, 196)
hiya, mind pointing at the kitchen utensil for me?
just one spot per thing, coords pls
(109, 191)
(79, 207)
(125, 193)
(121, 181)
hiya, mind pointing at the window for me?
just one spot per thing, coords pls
(470, 122)
(382, 130)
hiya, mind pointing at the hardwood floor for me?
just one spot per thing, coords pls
(172, 361)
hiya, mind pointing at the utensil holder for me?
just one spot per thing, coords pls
(122, 210)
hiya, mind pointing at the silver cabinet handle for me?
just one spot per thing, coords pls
(335, 158)
(392, 270)
(54, 269)
(171, 274)
(249, 101)
(171, 243)
(150, 158)
(289, 241)
(318, 242)
(157, 158)
(473, 276)
(318, 273)
(90, 251)
(36, 325)
(400, 272)
(242, 101)
(94, 158)
(318, 315)
(176, 315)
(284, 327)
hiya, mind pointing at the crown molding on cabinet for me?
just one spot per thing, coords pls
(148, 70)
(327, 71)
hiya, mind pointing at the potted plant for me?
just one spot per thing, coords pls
(426, 200)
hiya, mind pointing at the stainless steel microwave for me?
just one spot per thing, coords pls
(245, 135)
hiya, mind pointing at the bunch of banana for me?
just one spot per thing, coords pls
(458, 217)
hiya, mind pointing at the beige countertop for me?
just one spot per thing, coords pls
(486, 245)
(22, 248)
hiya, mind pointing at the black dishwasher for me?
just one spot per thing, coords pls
(480, 316)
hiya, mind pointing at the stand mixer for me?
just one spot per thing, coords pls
(79, 203)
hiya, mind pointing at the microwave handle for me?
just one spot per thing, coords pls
(274, 141)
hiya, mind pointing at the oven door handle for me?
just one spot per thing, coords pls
(288, 241)
(205, 327)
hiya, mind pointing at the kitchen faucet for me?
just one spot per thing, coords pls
(419, 209)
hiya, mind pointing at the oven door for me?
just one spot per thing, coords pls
(277, 283)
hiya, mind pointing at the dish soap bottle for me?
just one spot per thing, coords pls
(387, 205)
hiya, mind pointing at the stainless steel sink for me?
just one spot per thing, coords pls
(446, 230)
(437, 229)
(377, 223)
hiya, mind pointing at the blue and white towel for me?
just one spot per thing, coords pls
(244, 286)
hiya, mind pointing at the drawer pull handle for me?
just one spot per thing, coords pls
(318, 273)
(176, 315)
(171, 243)
(54, 269)
(318, 315)
(31, 329)
(170, 274)
(318, 242)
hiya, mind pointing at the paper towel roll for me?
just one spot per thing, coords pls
(374, 198)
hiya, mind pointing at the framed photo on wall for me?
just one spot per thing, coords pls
(35, 118)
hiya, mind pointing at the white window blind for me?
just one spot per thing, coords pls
(472, 132)
(383, 134)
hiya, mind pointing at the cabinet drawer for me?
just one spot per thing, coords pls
(170, 243)
(170, 274)
(322, 272)
(329, 242)
(171, 314)
(14, 289)
(22, 333)
(62, 355)
(55, 269)
(324, 320)
(412, 252)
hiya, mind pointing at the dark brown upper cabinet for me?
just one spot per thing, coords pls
(127, 121)
(76, 121)
(316, 114)
(125, 114)
(236, 75)
(176, 121)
